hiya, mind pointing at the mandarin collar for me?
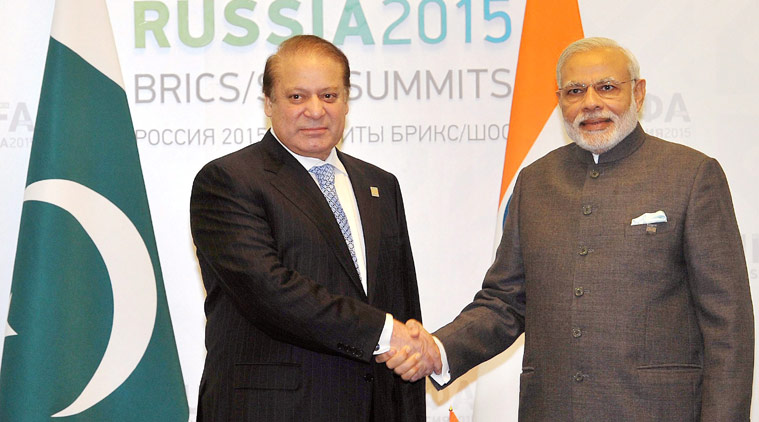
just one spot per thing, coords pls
(626, 147)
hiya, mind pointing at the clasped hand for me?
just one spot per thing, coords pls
(413, 353)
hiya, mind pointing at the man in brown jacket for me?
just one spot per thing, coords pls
(622, 263)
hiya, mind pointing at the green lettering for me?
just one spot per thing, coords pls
(184, 24)
(317, 17)
(142, 26)
(353, 9)
(274, 14)
(251, 29)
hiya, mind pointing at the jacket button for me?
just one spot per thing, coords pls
(579, 291)
(594, 174)
(579, 377)
(587, 210)
(576, 332)
(368, 377)
(583, 251)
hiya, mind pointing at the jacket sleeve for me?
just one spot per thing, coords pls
(720, 289)
(238, 256)
(495, 318)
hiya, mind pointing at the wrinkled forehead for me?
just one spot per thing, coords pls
(596, 65)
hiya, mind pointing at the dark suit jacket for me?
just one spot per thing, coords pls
(290, 332)
(622, 322)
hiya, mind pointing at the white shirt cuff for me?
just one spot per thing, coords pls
(383, 345)
(445, 375)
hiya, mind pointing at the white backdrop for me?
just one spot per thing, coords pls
(433, 110)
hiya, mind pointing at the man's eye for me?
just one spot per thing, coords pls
(330, 97)
(295, 96)
(576, 91)
(606, 87)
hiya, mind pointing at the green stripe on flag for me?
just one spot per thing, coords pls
(62, 304)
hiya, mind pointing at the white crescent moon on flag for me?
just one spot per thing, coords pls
(132, 278)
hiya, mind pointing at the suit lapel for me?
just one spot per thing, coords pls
(296, 184)
(368, 208)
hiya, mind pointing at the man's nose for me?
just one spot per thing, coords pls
(591, 100)
(314, 107)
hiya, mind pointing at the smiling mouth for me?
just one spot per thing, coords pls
(595, 124)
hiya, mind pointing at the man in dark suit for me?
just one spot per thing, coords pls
(306, 261)
(622, 263)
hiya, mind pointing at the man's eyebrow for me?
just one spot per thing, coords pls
(607, 79)
(599, 81)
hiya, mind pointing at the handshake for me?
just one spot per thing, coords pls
(413, 352)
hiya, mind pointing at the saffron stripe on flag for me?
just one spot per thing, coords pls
(546, 31)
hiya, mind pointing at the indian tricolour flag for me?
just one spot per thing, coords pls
(88, 335)
(535, 128)
(548, 29)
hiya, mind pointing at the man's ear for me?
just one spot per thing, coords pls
(267, 106)
(640, 93)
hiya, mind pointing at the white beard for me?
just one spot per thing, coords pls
(599, 142)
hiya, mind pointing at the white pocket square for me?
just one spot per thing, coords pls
(650, 218)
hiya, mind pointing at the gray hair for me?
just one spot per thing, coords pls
(592, 43)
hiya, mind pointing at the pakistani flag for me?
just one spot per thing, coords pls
(88, 335)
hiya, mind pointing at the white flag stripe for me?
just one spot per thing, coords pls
(130, 269)
(552, 136)
(84, 26)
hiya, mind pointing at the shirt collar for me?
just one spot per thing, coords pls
(309, 162)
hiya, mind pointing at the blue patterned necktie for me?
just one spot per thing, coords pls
(325, 175)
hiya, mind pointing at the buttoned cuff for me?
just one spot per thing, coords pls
(383, 345)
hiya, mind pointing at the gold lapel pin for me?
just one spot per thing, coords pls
(375, 191)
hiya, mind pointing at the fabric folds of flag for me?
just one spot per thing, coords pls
(546, 31)
(89, 335)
